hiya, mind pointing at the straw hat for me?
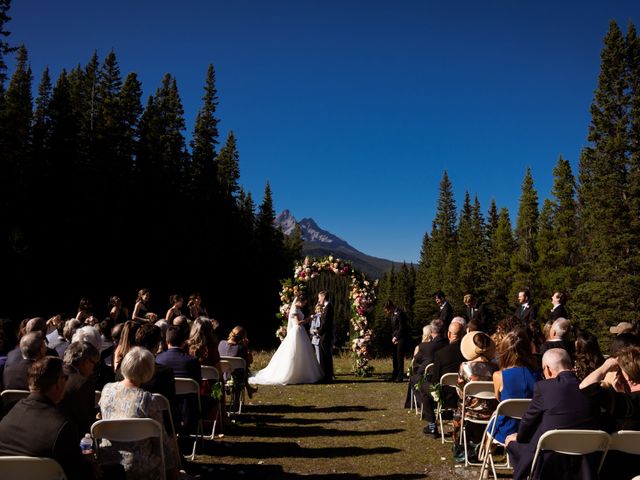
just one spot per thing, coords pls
(477, 344)
(622, 327)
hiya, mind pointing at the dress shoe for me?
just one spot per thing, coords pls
(430, 429)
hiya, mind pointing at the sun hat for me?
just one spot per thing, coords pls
(477, 344)
(622, 327)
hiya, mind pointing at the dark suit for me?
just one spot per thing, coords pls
(446, 315)
(558, 312)
(400, 331)
(15, 355)
(557, 403)
(14, 377)
(526, 314)
(35, 428)
(445, 360)
(78, 403)
(182, 364)
(325, 330)
(424, 356)
(478, 314)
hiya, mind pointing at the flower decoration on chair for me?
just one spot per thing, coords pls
(361, 295)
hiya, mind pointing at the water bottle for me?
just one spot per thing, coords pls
(86, 444)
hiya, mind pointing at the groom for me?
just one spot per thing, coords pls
(325, 331)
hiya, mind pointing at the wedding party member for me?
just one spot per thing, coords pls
(557, 404)
(446, 310)
(36, 428)
(525, 312)
(126, 399)
(558, 300)
(117, 312)
(399, 339)
(325, 330)
(85, 310)
(313, 330)
(141, 311)
(196, 309)
(294, 360)
(476, 312)
(176, 302)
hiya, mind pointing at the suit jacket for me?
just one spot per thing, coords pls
(479, 315)
(182, 364)
(446, 315)
(557, 403)
(447, 360)
(14, 377)
(35, 428)
(527, 315)
(558, 312)
(15, 355)
(78, 403)
(426, 352)
(325, 330)
(399, 325)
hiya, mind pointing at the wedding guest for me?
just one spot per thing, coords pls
(141, 311)
(37, 324)
(117, 312)
(196, 309)
(479, 350)
(504, 326)
(127, 342)
(203, 344)
(588, 355)
(126, 399)
(237, 346)
(54, 330)
(399, 338)
(622, 327)
(559, 337)
(36, 428)
(615, 378)
(32, 348)
(78, 401)
(7, 340)
(515, 379)
(70, 327)
(182, 322)
(176, 302)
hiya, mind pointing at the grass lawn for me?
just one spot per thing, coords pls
(353, 428)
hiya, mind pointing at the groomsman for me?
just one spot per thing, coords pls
(446, 310)
(400, 332)
(525, 312)
(476, 312)
(558, 311)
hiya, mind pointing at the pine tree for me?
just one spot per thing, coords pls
(605, 295)
(5, 48)
(469, 248)
(228, 168)
(524, 257)
(424, 305)
(545, 243)
(501, 274)
(129, 118)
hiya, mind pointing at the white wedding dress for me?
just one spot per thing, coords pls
(294, 361)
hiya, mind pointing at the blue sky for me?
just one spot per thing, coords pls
(353, 109)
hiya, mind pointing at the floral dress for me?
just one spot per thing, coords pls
(141, 460)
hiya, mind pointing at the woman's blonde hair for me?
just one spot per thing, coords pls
(237, 334)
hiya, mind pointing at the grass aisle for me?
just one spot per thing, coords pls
(353, 428)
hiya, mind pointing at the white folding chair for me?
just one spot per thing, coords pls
(130, 430)
(482, 390)
(626, 441)
(414, 401)
(235, 363)
(9, 397)
(188, 386)
(211, 374)
(512, 408)
(31, 468)
(572, 442)
(448, 380)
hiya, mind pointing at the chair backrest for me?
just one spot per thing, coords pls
(429, 369)
(12, 396)
(572, 442)
(210, 373)
(185, 386)
(627, 441)
(225, 366)
(449, 379)
(513, 407)
(236, 362)
(31, 468)
(479, 389)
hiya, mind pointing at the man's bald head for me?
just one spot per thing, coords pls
(455, 331)
(556, 360)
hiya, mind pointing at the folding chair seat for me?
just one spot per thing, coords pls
(130, 430)
(448, 381)
(512, 408)
(30, 468)
(188, 386)
(477, 389)
(572, 442)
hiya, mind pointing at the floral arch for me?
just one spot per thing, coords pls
(361, 295)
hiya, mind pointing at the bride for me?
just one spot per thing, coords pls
(294, 361)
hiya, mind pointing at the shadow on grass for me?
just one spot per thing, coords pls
(287, 449)
(287, 409)
(267, 419)
(310, 431)
(275, 472)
